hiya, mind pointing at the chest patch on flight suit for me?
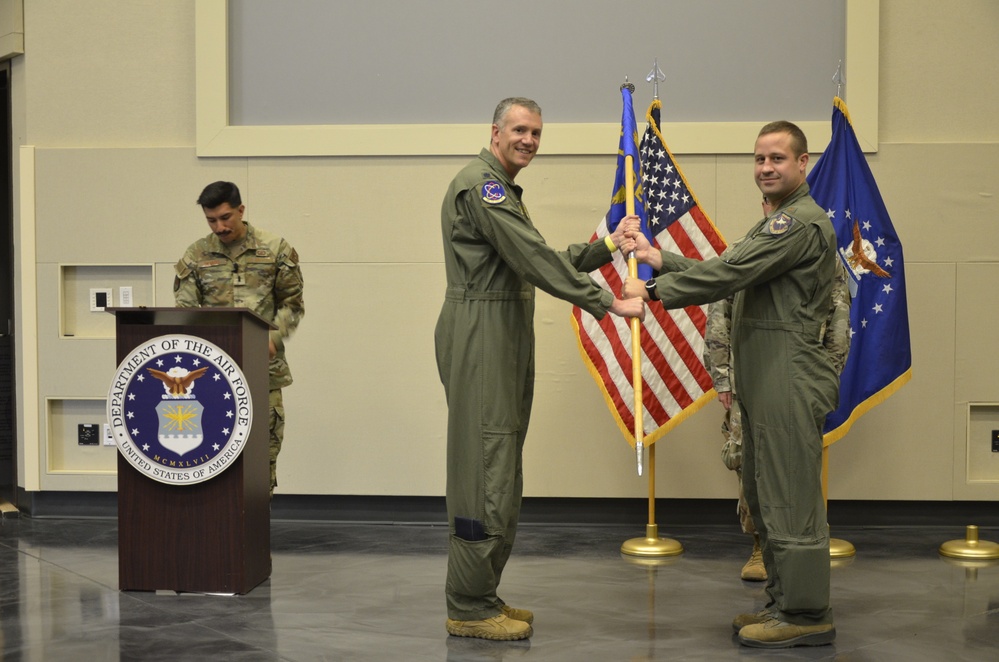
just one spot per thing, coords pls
(493, 192)
(779, 224)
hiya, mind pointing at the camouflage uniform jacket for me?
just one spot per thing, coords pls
(260, 273)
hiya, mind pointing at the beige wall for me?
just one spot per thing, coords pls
(107, 175)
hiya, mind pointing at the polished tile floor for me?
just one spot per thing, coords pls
(375, 592)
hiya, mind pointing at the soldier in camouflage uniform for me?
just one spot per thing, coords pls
(241, 266)
(718, 361)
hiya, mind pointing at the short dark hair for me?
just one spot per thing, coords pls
(799, 143)
(504, 106)
(218, 193)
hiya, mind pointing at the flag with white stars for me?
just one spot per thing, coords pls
(880, 359)
(675, 382)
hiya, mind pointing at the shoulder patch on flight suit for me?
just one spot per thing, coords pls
(779, 224)
(493, 192)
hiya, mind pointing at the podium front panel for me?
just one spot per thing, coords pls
(211, 536)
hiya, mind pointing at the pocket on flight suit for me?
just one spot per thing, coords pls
(804, 572)
(499, 473)
(470, 567)
(774, 475)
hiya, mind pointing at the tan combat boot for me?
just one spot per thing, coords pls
(754, 570)
(742, 620)
(518, 614)
(778, 634)
(497, 628)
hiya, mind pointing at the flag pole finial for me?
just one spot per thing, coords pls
(654, 77)
(626, 85)
(839, 80)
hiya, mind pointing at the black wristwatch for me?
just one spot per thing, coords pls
(650, 289)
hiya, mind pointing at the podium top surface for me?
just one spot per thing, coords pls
(187, 316)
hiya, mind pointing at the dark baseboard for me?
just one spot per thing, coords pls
(67, 504)
(542, 510)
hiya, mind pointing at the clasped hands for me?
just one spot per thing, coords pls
(632, 239)
(627, 237)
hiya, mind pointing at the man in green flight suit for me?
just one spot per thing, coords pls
(782, 275)
(718, 361)
(241, 266)
(494, 257)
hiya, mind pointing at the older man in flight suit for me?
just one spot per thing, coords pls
(494, 257)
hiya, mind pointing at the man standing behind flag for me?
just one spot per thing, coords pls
(494, 257)
(782, 276)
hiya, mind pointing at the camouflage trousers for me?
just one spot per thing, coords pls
(275, 402)
(732, 457)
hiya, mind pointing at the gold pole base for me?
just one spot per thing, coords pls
(841, 549)
(651, 544)
(971, 547)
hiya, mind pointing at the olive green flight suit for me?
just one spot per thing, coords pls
(718, 362)
(782, 274)
(494, 258)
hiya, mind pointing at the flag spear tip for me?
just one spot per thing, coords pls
(838, 79)
(654, 77)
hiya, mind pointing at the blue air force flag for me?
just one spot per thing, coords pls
(628, 146)
(880, 359)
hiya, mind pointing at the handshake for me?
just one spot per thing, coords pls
(628, 238)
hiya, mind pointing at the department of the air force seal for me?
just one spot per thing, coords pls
(179, 409)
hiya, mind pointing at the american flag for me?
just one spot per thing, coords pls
(675, 381)
(880, 359)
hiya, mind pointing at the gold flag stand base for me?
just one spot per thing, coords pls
(651, 544)
(841, 549)
(971, 547)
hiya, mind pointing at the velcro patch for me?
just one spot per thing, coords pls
(780, 224)
(493, 192)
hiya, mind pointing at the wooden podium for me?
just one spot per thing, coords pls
(211, 536)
